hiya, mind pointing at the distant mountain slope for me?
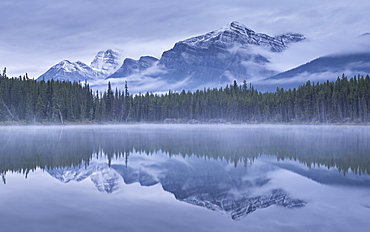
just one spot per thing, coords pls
(69, 71)
(319, 70)
(238, 33)
(214, 59)
(131, 66)
(224, 55)
(217, 57)
(104, 64)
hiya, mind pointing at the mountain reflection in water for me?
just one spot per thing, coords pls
(213, 185)
(219, 167)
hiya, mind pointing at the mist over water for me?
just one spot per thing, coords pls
(343, 147)
(203, 177)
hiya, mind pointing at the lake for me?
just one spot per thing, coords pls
(185, 178)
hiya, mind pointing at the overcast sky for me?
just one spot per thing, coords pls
(37, 34)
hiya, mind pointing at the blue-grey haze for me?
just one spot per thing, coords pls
(36, 34)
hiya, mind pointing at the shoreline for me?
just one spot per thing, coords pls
(4, 124)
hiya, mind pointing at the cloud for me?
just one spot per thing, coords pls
(38, 34)
(310, 49)
(139, 81)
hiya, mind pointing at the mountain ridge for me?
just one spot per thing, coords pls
(210, 60)
(104, 64)
(69, 71)
(321, 69)
(214, 58)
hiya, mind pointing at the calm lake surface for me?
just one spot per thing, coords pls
(185, 178)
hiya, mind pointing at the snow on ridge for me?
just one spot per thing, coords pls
(104, 64)
(237, 32)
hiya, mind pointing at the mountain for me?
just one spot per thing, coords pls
(104, 64)
(238, 33)
(215, 58)
(320, 70)
(212, 185)
(327, 176)
(69, 71)
(131, 66)
(244, 205)
(104, 178)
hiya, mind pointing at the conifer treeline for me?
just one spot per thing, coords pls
(25, 100)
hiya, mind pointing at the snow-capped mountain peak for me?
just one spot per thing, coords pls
(104, 64)
(69, 66)
(69, 71)
(238, 33)
(238, 27)
(210, 60)
(66, 65)
(107, 61)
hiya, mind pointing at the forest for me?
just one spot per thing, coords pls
(26, 101)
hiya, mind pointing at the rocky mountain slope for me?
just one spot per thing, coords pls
(215, 58)
(131, 66)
